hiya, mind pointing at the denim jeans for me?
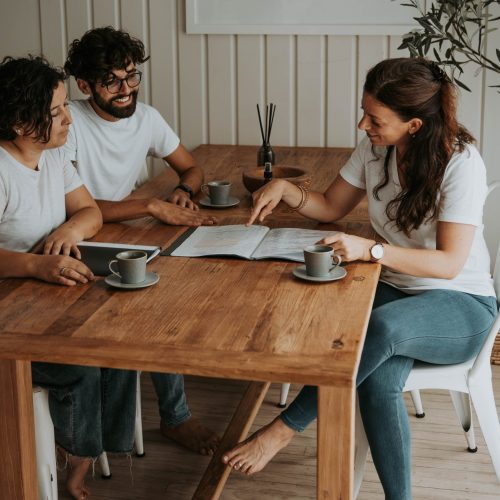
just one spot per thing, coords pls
(172, 402)
(436, 326)
(93, 409)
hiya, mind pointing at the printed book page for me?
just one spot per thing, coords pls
(237, 240)
(254, 242)
(288, 243)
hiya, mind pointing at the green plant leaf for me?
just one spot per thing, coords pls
(462, 85)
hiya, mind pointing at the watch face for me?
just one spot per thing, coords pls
(377, 251)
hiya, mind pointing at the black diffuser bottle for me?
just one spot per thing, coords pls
(266, 153)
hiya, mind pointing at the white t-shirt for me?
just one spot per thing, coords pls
(32, 203)
(461, 200)
(110, 155)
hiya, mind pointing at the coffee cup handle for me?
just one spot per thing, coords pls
(116, 273)
(204, 188)
(335, 264)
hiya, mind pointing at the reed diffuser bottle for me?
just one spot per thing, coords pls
(266, 153)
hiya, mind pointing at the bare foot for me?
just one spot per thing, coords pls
(75, 484)
(253, 454)
(192, 434)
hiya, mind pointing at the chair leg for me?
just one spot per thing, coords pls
(283, 395)
(417, 403)
(138, 437)
(360, 452)
(483, 400)
(104, 465)
(45, 446)
(462, 404)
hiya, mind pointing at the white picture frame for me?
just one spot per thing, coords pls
(299, 17)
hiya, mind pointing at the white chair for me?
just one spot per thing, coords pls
(469, 384)
(45, 446)
(45, 443)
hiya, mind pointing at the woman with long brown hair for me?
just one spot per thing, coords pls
(426, 186)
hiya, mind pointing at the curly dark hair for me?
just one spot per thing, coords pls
(418, 88)
(27, 86)
(101, 50)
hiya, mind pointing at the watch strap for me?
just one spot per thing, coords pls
(185, 188)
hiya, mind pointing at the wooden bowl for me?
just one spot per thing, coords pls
(253, 178)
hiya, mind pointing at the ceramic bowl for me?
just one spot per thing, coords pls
(253, 178)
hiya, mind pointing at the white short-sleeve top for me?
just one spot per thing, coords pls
(461, 200)
(32, 202)
(110, 156)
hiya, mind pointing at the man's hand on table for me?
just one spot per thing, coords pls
(175, 215)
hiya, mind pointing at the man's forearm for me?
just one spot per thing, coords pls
(118, 211)
(193, 177)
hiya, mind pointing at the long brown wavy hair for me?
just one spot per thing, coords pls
(418, 88)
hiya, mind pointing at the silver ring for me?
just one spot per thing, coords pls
(61, 271)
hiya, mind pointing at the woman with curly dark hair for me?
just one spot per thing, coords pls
(44, 212)
(426, 186)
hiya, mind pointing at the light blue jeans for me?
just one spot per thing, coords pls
(93, 409)
(172, 402)
(436, 326)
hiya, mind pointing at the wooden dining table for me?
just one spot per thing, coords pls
(214, 317)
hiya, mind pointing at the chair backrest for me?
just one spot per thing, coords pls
(483, 358)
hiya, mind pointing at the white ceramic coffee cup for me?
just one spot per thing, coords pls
(320, 260)
(218, 192)
(131, 266)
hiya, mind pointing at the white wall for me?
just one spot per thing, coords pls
(207, 86)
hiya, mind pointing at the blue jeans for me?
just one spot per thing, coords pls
(172, 402)
(93, 409)
(436, 326)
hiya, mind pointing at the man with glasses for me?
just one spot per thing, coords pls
(109, 140)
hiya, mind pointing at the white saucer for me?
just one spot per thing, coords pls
(232, 202)
(337, 274)
(113, 280)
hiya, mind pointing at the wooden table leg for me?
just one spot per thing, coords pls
(215, 477)
(17, 458)
(335, 442)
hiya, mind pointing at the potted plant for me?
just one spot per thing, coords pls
(456, 31)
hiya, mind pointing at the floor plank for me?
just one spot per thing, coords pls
(442, 468)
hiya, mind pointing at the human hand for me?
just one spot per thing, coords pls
(179, 216)
(265, 199)
(62, 269)
(63, 241)
(348, 246)
(182, 199)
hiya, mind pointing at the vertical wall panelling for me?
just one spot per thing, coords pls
(281, 85)
(106, 13)
(311, 105)
(135, 20)
(491, 132)
(341, 91)
(20, 28)
(53, 29)
(164, 61)
(221, 89)
(192, 85)
(207, 87)
(250, 57)
(78, 21)
(371, 50)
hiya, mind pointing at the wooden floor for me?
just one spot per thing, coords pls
(443, 469)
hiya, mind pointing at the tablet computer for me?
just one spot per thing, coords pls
(96, 255)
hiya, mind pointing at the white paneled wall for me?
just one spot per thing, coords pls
(207, 86)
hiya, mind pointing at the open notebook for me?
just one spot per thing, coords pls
(96, 255)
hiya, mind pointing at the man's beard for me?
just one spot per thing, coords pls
(115, 111)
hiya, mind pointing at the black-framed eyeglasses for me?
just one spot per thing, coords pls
(114, 84)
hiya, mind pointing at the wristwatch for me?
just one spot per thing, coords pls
(185, 188)
(376, 252)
